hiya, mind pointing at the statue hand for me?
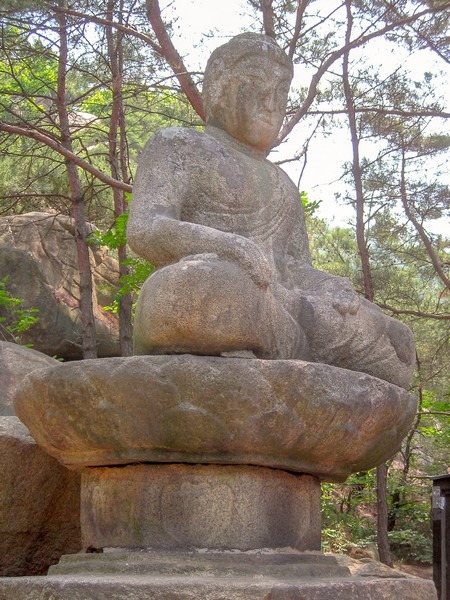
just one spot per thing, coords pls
(251, 259)
(245, 254)
(344, 297)
(346, 302)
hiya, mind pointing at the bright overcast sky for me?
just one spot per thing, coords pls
(199, 18)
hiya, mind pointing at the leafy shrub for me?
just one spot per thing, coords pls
(138, 269)
(14, 320)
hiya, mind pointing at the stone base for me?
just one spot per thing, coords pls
(212, 576)
(281, 564)
(184, 507)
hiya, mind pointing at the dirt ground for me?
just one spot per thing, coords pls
(417, 570)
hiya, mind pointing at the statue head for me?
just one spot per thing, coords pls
(246, 87)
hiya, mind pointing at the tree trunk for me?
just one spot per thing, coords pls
(119, 164)
(86, 289)
(302, 4)
(268, 18)
(356, 168)
(419, 228)
(382, 515)
(77, 196)
(173, 58)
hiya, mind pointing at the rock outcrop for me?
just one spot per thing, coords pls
(39, 504)
(38, 254)
(39, 499)
(15, 362)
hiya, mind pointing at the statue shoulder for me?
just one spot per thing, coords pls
(174, 150)
(166, 164)
(285, 179)
(175, 139)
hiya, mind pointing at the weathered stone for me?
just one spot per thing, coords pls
(304, 417)
(232, 563)
(226, 231)
(15, 362)
(38, 253)
(368, 567)
(175, 507)
(39, 504)
(236, 576)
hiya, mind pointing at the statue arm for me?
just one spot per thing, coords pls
(163, 240)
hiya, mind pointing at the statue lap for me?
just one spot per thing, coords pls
(208, 306)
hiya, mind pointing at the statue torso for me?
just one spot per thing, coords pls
(210, 179)
(239, 192)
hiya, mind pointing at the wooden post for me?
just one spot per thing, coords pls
(441, 535)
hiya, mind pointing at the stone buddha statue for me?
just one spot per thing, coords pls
(226, 231)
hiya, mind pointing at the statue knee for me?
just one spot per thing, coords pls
(211, 307)
(403, 343)
(197, 306)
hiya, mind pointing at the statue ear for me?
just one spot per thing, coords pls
(215, 102)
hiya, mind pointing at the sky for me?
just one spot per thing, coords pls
(202, 25)
(222, 18)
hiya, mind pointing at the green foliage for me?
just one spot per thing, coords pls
(334, 249)
(14, 320)
(346, 519)
(411, 545)
(33, 177)
(18, 5)
(131, 283)
(411, 538)
(347, 531)
(137, 269)
(435, 431)
(28, 75)
(115, 237)
(310, 206)
(349, 516)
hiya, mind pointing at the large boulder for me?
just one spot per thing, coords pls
(15, 362)
(39, 499)
(39, 504)
(38, 254)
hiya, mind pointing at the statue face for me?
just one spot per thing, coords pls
(253, 102)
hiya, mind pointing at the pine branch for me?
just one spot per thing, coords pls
(107, 22)
(385, 111)
(334, 56)
(302, 4)
(175, 61)
(414, 313)
(268, 18)
(58, 147)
